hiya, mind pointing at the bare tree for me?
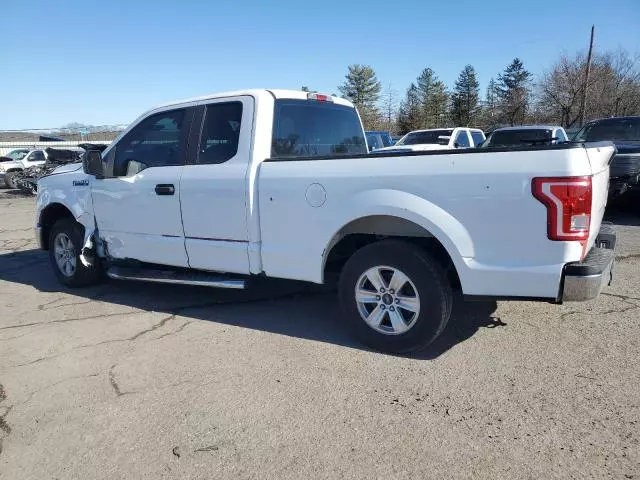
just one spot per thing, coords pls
(614, 84)
(389, 107)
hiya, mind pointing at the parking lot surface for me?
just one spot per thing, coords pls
(127, 380)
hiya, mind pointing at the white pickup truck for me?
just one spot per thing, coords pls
(221, 189)
(437, 139)
(9, 170)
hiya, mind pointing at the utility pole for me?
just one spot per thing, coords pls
(583, 104)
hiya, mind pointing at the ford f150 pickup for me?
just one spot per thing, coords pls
(220, 190)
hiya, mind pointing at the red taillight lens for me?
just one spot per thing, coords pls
(568, 202)
(319, 97)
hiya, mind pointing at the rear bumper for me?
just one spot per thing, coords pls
(584, 280)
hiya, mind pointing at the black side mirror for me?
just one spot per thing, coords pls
(456, 145)
(92, 164)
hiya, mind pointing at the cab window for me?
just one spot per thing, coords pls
(478, 137)
(220, 132)
(462, 140)
(37, 156)
(157, 141)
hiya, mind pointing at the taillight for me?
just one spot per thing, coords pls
(568, 202)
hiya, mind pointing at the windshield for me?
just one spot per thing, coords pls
(508, 138)
(426, 137)
(378, 139)
(620, 129)
(17, 154)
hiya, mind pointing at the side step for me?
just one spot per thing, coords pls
(185, 277)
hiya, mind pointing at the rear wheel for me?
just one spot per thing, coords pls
(65, 246)
(395, 296)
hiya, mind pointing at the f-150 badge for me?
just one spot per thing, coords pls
(81, 183)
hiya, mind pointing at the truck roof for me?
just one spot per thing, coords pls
(258, 92)
(445, 128)
(527, 127)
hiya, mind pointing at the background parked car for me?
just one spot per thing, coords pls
(525, 135)
(10, 170)
(438, 139)
(625, 133)
(378, 139)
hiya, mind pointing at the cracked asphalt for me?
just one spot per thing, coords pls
(127, 380)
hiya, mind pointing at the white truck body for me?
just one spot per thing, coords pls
(254, 214)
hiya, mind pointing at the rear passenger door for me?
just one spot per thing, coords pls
(214, 186)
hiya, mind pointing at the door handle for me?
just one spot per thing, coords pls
(165, 189)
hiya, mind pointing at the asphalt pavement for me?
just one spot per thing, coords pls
(132, 381)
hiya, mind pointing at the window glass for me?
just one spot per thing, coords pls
(155, 142)
(304, 128)
(462, 139)
(17, 154)
(436, 137)
(523, 137)
(478, 137)
(36, 156)
(374, 140)
(561, 136)
(220, 132)
(620, 129)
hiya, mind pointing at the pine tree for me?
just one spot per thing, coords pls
(513, 92)
(362, 88)
(464, 101)
(433, 97)
(410, 112)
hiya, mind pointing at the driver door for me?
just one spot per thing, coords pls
(137, 205)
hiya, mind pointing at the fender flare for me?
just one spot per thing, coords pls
(445, 228)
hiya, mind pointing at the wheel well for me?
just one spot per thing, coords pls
(365, 231)
(49, 216)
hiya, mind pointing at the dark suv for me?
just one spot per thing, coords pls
(625, 133)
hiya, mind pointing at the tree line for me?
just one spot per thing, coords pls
(514, 97)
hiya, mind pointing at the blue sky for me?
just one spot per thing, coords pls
(107, 62)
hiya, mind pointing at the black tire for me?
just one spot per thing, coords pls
(427, 279)
(82, 275)
(10, 180)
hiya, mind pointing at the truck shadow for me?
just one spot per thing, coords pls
(286, 308)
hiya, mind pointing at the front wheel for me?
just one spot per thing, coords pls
(65, 246)
(395, 296)
(10, 180)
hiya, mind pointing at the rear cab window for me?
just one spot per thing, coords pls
(308, 128)
(523, 137)
(477, 136)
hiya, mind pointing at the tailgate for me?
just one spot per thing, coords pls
(600, 155)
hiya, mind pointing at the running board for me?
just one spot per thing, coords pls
(202, 279)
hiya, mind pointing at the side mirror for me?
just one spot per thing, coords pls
(92, 164)
(456, 145)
